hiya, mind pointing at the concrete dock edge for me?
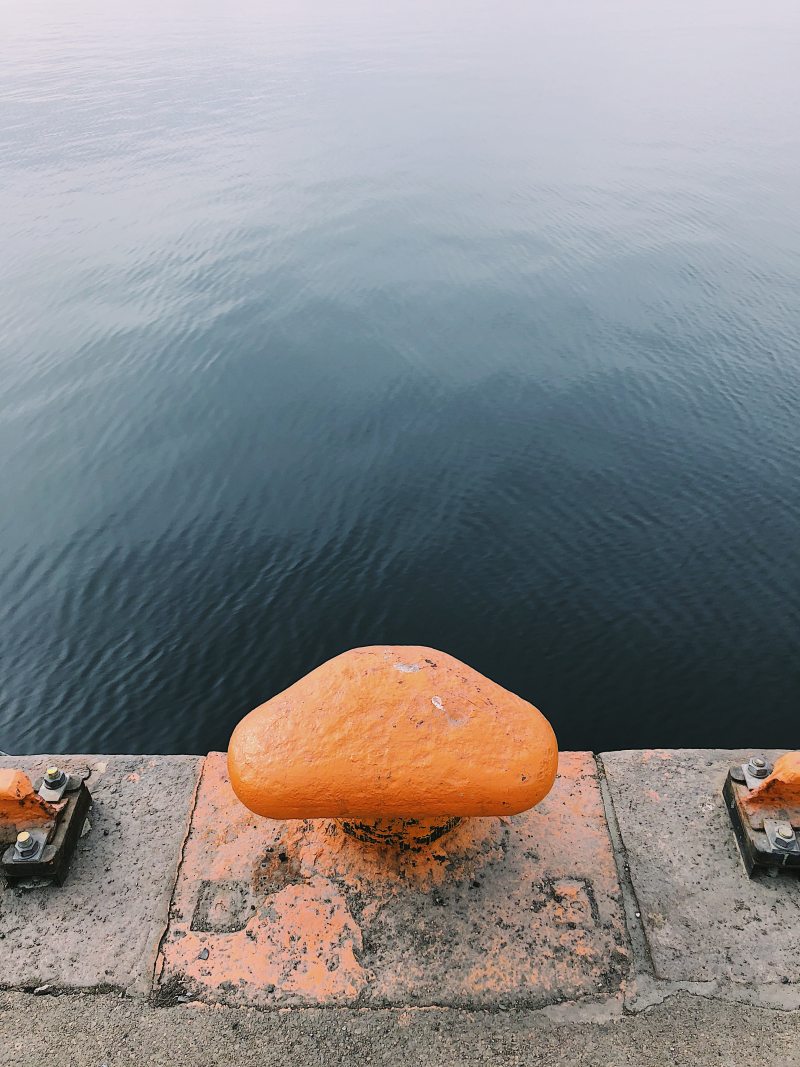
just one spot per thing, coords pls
(618, 902)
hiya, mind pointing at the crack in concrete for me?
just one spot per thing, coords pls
(158, 957)
(641, 959)
(647, 992)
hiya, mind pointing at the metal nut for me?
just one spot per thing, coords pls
(26, 844)
(759, 767)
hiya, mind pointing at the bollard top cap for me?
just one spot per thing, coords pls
(392, 731)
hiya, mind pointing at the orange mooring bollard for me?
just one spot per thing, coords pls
(405, 739)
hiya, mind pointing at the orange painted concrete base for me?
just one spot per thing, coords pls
(520, 910)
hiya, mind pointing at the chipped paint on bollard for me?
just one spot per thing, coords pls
(521, 910)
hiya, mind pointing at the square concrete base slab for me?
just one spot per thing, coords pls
(521, 911)
(102, 928)
(703, 917)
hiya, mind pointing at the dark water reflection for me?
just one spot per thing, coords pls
(459, 324)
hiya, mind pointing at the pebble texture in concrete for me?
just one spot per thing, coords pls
(520, 911)
(703, 917)
(89, 1031)
(102, 928)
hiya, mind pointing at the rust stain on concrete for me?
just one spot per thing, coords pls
(648, 754)
(520, 910)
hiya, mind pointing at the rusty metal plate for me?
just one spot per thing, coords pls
(522, 911)
(59, 840)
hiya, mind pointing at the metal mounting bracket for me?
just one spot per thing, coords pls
(766, 836)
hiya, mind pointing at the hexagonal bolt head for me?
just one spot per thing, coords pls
(758, 767)
(25, 843)
(785, 832)
(54, 777)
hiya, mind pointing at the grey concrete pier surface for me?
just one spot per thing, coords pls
(711, 969)
(102, 928)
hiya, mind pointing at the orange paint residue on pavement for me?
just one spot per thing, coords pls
(297, 912)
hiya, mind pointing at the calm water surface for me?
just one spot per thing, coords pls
(462, 324)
